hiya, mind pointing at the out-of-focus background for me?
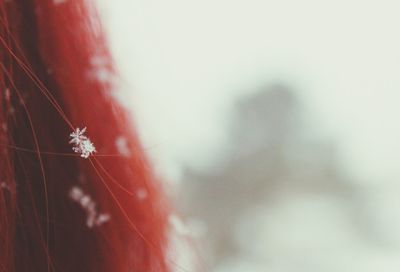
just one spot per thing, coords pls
(275, 125)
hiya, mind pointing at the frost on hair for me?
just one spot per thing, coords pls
(82, 144)
(89, 206)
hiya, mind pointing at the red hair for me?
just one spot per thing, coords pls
(58, 210)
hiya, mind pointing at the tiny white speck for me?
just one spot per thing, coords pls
(58, 2)
(76, 193)
(103, 75)
(122, 146)
(141, 194)
(104, 217)
(178, 225)
(7, 186)
(85, 200)
(7, 94)
(99, 61)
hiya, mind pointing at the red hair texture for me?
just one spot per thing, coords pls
(56, 76)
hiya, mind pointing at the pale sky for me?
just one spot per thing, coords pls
(185, 62)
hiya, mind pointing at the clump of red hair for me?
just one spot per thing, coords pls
(56, 75)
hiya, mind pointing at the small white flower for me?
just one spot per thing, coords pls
(82, 144)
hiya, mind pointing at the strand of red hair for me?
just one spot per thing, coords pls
(59, 211)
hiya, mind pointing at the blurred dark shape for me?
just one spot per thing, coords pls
(270, 157)
(266, 119)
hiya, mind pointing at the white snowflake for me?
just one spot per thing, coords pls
(77, 136)
(82, 144)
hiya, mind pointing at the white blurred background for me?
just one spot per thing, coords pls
(276, 123)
